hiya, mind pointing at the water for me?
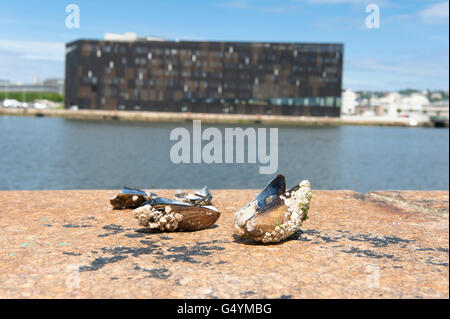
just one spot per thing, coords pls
(53, 153)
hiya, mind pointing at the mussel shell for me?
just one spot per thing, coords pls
(165, 201)
(124, 201)
(267, 218)
(130, 198)
(200, 197)
(275, 201)
(194, 217)
(262, 223)
(273, 189)
(133, 191)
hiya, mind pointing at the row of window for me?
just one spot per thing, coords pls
(329, 101)
(235, 83)
(213, 96)
(177, 83)
(230, 62)
(174, 65)
(297, 52)
(170, 70)
(230, 49)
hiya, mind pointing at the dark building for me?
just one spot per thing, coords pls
(209, 77)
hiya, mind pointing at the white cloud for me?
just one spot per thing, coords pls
(420, 68)
(34, 50)
(236, 4)
(291, 7)
(338, 1)
(376, 74)
(383, 3)
(22, 60)
(17, 69)
(435, 14)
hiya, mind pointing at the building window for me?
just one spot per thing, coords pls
(329, 101)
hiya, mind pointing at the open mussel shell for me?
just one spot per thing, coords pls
(130, 198)
(169, 215)
(199, 197)
(275, 214)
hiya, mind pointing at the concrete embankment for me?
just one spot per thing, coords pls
(211, 117)
(71, 244)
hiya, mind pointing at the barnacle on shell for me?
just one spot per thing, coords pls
(169, 215)
(275, 214)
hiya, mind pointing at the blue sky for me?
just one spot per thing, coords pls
(409, 50)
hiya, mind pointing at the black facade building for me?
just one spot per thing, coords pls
(209, 77)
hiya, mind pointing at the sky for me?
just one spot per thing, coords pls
(410, 49)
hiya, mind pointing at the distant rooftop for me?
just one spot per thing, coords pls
(128, 36)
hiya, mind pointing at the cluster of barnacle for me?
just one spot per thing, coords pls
(187, 212)
(272, 216)
(157, 219)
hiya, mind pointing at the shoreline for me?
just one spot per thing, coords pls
(173, 117)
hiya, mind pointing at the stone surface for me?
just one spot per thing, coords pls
(71, 244)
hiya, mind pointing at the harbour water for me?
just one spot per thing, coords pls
(56, 153)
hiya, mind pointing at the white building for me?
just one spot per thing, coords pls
(388, 103)
(348, 102)
(127, 36)
(394, 104)
(413, 103)
(436, 95)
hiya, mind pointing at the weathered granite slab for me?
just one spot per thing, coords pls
(71, 244)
